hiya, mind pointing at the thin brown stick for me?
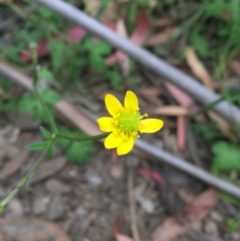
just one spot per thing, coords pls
(132, 205)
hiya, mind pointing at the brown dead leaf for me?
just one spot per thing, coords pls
(171, 110)
(193, 213)
(109, 15)
(198, 68)
(150, 95)
(2, 2)
(181, 132)
(201, 206)
(121, 237)
(223, 125)
(14, 165)
(200, 71)
(162, 38)
(235, 66)
(31, 230)
(48, 169)
(71, 115)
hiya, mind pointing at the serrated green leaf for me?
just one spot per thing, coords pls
(50, 97)
(208, 131)
(79, 152)
(31, 104)
(227, 156)
(46, 134)
(44, 73)
(27, 102)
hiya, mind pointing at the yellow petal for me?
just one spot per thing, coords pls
(112, 141)
(125, 147)
(150, 125)
(113, 104)
(131, 101)
(105, 124)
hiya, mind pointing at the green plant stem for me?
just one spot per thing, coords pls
(49, 116)
(25, 180)
(79, 139)
(15, 8)
(205, 108)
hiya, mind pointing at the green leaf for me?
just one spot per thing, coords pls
(80, 152)
(1, 209)
(77, 152)
(50, 97)
(232, 227)
(114, 79)
(30, 104)
(60, 52)
(227, 156)
(27, 102)
(46, 134)
(38, 146)
(44, 73)
(200, 43)
(208, 131)
(51, 152)
(229, 198)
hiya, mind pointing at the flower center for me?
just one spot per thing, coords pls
(128, 122)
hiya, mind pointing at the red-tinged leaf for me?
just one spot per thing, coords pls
(42, 51)
(193, 213)
(76, 34)
(156, 176)
(138, 36)
(141, 31)
(112, 59)
(201, 206)
(181, 97)
(111, 26)
(181, 132)
(184, 99)
(119, 56)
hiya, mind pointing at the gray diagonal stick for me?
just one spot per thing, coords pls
(175, 76)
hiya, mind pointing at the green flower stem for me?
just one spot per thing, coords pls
(49, 116)
(25, 180)
(80, 139)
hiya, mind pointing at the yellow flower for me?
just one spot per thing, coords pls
(126, 123)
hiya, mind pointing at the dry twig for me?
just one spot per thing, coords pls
(132, 204)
